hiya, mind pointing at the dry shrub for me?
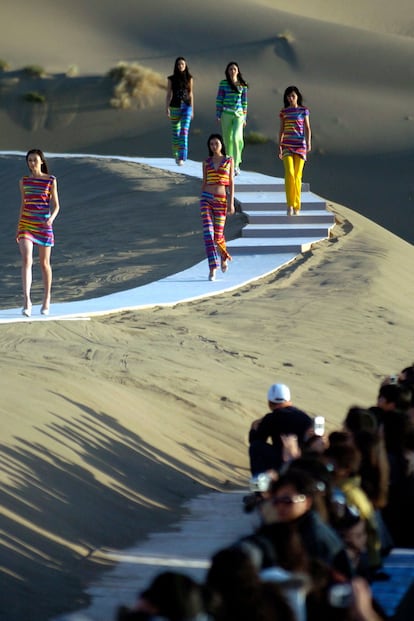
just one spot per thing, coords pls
(34, 97)
(4, 65)
(286, 36)
(34, 71)
(255, 138)
(72, 71)
(136, 86)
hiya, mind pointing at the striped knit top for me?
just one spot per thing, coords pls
(230, 101)
(219, 175)
(294, 138)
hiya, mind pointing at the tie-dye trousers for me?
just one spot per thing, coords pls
(180, 126)
(213, 208)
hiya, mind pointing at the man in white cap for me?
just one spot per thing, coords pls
(283, 424)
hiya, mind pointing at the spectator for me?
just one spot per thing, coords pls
(345, 459)
(292, 531)
(171, 595)
(236, 592)
(392, 413)
(352, 529)
(369, 440)
(283, 422)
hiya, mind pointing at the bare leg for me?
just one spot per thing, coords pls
(26, 251)
(44, 257)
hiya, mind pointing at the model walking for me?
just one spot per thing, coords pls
(180, 108)
(231, 111)
(38, 191)
(217, 200)
(294, 145)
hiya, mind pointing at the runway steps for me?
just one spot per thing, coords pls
(270, 229)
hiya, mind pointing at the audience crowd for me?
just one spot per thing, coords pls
(331, 507)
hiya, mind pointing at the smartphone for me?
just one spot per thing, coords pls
(319, 425)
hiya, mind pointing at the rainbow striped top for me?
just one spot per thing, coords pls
(230, 101)
(219, 176)
(36, 210)
(294, 138)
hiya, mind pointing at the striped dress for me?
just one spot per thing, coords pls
(294, 139)
(36, 211)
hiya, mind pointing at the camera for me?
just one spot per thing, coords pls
(319, 425)
(341, 595)
(260, 483)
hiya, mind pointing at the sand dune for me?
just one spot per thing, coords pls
(108, 425)
(353, 64)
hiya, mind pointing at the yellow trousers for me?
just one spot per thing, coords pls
(293, 179)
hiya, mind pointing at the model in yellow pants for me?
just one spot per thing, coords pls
(293, 181)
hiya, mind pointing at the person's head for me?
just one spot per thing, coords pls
(406, 376)
(278, 396)
(345, 459)
(173, 595)
(34, 157)
(215, 145)
(233, 74)
(340, 437)
(231, 570)
(352, 529)
(292, 495)
(236, 591)
(363, 426)
(129, 614)
(292, 97)
(394, 397)
(181, 69)
(360, 419)
(315, 467)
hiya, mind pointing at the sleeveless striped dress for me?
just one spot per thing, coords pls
(36, 210)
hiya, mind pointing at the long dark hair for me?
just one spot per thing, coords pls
(182, 76)
(288, 91)
(240, 78)
(217, 137)
(44, 167)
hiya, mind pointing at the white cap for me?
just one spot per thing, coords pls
(278, 393)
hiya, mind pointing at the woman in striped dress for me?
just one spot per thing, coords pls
(39, 192)
(294, 145)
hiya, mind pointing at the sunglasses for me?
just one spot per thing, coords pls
(288, 500)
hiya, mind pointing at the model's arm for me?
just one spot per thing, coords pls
(244, 103)
(191, 95)
(54, 199)
(203, 186)
(219, 100)
(230, 196)
(308, 134)
(168, 97)
(281, 136)
(21, 204)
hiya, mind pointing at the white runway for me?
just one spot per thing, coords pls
(254, 256)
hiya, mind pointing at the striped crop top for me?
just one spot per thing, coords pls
(219, 176)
